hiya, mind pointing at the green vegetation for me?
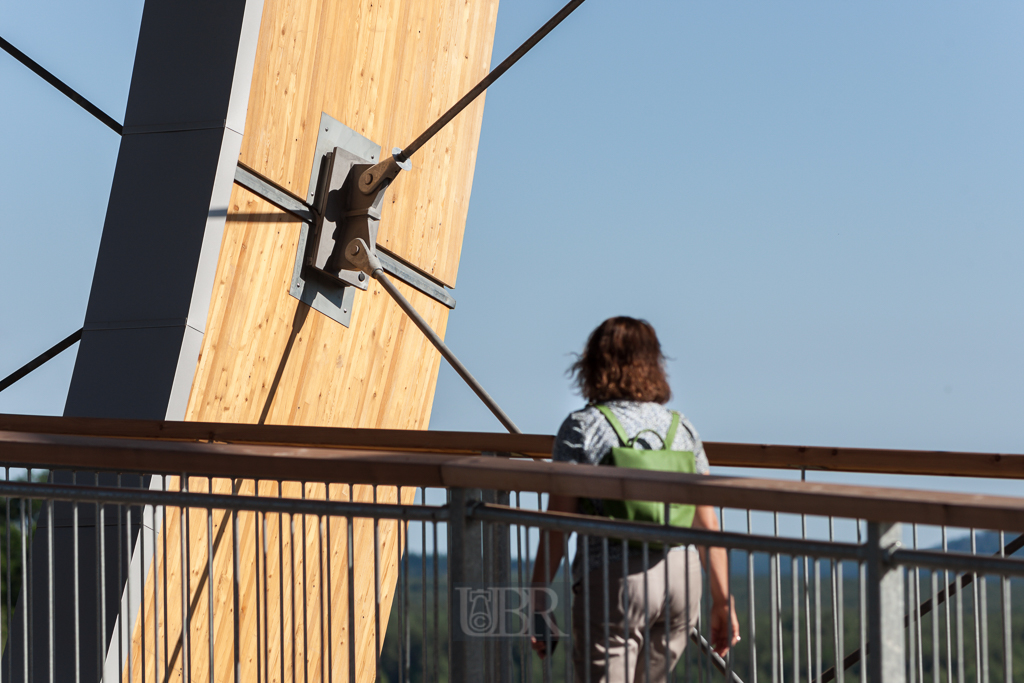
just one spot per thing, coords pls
(421, 650)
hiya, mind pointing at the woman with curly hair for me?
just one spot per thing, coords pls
(621, 373)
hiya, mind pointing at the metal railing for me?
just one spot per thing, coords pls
(360, 569)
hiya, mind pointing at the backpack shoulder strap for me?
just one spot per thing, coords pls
(614, 422)
(670, 437)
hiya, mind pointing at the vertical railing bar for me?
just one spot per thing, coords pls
(917, 616)
(142, 599)
(49, 586)
(773, 614)
(647, 612)
(729, 676)
(351, 595)
(795, 583)
(292, 636)
(780, 655)
(209, 585)
(437, 607)
(817, 619)
(423, 588)
(625, 602)
(28, 588)
(586, 598)
(862, 574)
(280, 580)
(936, 642)
(751, 597)
(27, 591)
(705, 632)
(543, 556)
(688, 600)
(566, 586)
(525, 652)
(120, 585)
(78, 635)
(408, 621)
(666, 606)
(376, 586)
(605, 600)
(235, 572)
(909, 608)
(305, 592)
(261, 591)
(126, 637)
(9, 614)
(156, 594)
(960, 664)
(163, 536)
(330, 592)
(1005, 597)
(186, 586)
(321, 520)
(403, 602)
(949, 625)
(977, 612)
(807, 589)
(983, 602)
(101, 593)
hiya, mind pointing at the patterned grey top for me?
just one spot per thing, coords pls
(585, 437)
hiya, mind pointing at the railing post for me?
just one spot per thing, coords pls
(465, 571)
(501, 565)
(885, 605)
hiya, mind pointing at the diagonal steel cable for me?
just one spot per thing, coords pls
(39, 360)
(490, 78)
(63, 87)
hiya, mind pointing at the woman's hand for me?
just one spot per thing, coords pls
(544, 626)
(723, 618)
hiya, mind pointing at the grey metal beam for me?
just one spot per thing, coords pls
(393, 265)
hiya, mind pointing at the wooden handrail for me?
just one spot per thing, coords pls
(720, 454)
(528, 445)
(875, 460)
(422, 468)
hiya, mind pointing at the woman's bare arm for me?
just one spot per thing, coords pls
(716, 564)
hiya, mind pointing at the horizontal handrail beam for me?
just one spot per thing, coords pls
(874, 460)
(406, 468)
(528, 445)
(220, 501)
(537, 446)
(603, 526)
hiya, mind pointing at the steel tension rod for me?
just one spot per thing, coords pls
(388, 168)
(359, 254)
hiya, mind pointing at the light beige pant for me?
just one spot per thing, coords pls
(629, 653)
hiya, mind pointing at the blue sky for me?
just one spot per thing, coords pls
(819, 205)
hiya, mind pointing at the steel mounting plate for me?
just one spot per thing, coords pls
(332, 299)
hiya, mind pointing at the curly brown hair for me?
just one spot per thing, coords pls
(622, 360)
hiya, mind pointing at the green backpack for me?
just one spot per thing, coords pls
(664, 460)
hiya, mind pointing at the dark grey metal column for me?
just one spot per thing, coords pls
(150, 297)
(165, 218)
